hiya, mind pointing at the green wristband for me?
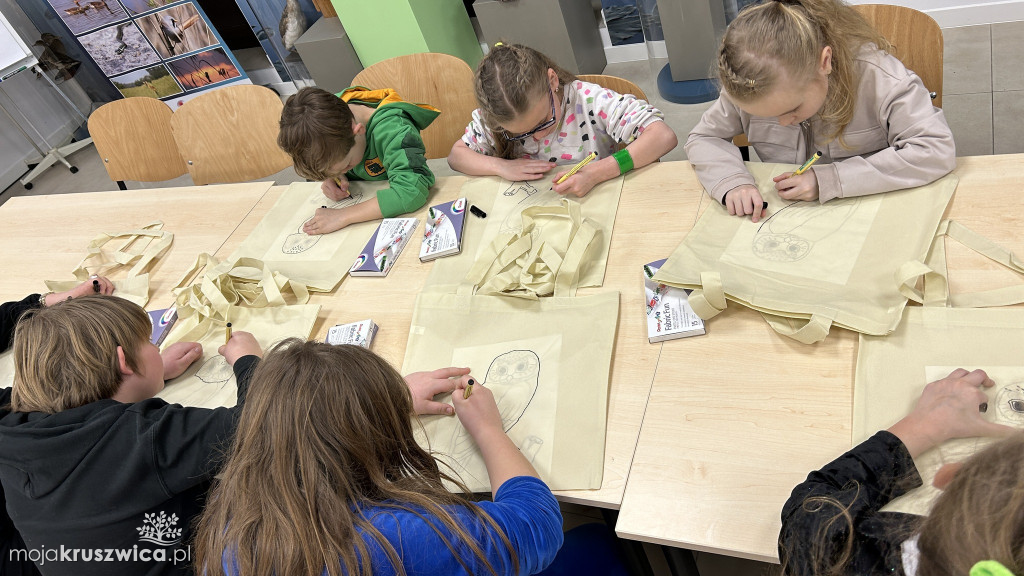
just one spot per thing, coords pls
(624, 159)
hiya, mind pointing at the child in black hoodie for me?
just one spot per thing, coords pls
(99, 476)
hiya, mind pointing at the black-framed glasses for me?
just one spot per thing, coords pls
(542, 126)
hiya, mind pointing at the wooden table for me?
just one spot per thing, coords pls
(656, 203)
(738, 418)
(45, 237)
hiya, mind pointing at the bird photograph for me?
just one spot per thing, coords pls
(82, 16)
(177, 30)
(153, 82)
(203, 69)
(119, 48)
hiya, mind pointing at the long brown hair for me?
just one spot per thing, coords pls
(326, 431)
(65, 355)
(980, 514)
(508, 81)
(316, 131)
(776, 38)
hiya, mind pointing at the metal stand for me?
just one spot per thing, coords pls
(54, 154)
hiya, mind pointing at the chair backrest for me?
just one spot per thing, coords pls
(441, 80)
(620, 85)
(133, 137)
(916, 40)
(230, 134)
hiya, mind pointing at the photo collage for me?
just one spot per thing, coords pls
(151, 48)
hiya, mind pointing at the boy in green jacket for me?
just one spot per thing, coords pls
(362, 134)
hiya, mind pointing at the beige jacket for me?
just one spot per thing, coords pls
(896, 139)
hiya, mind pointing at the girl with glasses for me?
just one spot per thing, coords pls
(535, 115)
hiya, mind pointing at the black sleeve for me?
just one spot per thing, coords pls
(244, 368)
(862, 481)
(10, 312)
(190, 443)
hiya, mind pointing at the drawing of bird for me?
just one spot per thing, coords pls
(173, 33)
(293, 24)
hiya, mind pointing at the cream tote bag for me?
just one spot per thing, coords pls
(850, 262)
(210, 381)
(500, 242)
(929, 344)
(547, 363)
(319, 262)
(140, 249)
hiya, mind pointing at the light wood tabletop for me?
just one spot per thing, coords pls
(738, 418)
(656, 202)
(45, 237)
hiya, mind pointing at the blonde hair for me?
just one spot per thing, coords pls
(979, 516)
(316, 131)
(784, 39)
(508, 82)
(65, 355)
(326, 432)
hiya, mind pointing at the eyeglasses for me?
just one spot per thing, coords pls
(542, 126)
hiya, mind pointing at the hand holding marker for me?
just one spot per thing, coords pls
(590, 157)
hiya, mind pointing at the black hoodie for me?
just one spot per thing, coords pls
(113, 488)
(10, 312)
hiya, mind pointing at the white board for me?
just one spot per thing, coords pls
(13, 52)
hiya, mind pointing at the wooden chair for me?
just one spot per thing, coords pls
(230, 134)
(133, 137)
(620, 85)
(916, 41)
(440, 80)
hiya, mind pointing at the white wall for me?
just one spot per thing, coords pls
(952, 13)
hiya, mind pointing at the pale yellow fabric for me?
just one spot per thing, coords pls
(504, 203)
(140, 249)
(932, 341)
(319, 262)
(542, 258)
(133, 289)
(808, 266)
(210, 382)
(547, 362)
(7, 369)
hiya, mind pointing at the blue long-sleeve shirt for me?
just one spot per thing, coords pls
(523, 508)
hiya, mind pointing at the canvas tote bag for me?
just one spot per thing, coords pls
(547, 363)
(140, 249)
(850, 262)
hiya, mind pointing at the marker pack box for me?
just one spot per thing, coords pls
(163, 321)
(442, 234)
(357, 333)
(383, 248)
(669, 315)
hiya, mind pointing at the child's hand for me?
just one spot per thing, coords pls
(335, 190)
(83, 289)
(325, 221)
(802, 187)
(425, 385)
(478, 413)
(178, 357)
(241, 344)
(949, 408)
(745, 200)
(578, 184)
(524, 169)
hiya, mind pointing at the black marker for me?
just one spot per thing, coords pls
(96, 286)
(477, 212)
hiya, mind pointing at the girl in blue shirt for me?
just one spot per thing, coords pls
(325, 476)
